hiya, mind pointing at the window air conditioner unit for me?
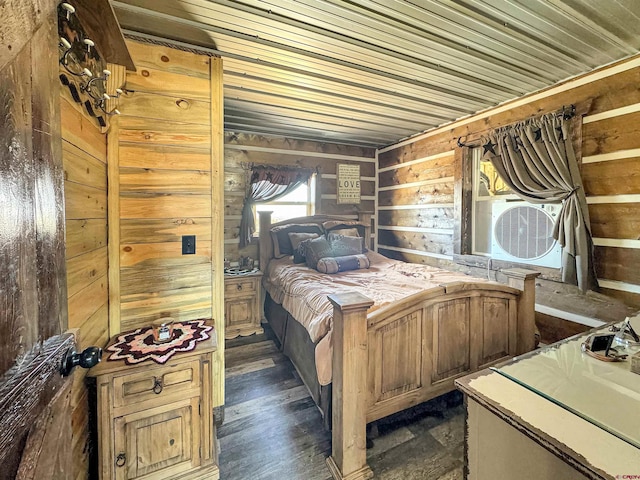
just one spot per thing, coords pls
(523, 233)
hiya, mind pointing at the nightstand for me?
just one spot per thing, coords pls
(155, 421)
(242, 312)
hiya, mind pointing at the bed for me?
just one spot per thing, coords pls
(390, 347)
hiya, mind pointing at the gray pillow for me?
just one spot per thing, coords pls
(296, 242)
(342, 245)
(280, 236)
(315, 249)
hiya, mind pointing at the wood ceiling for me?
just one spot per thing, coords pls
(371, 72)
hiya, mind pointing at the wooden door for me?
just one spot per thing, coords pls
(35, 419)
(36, 422)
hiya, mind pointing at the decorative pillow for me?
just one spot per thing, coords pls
(342, 264)
(280, 235)
(315, 249)
(347, 232)
(296, 240)
(332, 225)
(342, 245)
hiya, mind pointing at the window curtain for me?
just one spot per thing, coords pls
(536, 159)
(267, 184)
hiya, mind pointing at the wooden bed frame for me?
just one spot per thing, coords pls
(414, 349)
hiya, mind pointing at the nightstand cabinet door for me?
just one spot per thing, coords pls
(158, 443)
(242, 312)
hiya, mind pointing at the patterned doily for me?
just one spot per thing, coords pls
(138, 345)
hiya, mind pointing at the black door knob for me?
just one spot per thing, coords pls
(88, 358)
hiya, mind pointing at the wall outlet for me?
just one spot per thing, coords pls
(188, 244)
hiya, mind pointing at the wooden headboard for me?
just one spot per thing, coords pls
(266, 243)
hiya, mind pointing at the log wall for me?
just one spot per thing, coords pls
(242, 149)
(165, 181)
(423, 207)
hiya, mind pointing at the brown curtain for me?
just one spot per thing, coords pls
(536, 159)
(267, 184)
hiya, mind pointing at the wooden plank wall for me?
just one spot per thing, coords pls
(421, 181)
(84, 154)
(243, 149)
(164, 175)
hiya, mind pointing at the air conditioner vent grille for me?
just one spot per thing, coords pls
(524, 232)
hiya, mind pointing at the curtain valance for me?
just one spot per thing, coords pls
(267, 184)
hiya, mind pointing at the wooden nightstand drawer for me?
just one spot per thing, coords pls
(240, 286)
(182, 379)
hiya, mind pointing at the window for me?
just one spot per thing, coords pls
(506, 227)
(298, 203)
(488, 188)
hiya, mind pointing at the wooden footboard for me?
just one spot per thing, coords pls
(412, 351)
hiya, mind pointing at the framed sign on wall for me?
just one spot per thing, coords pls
(348, 184)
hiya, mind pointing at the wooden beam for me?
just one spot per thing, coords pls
(99, 20)
(524, 280)
(21, 19)
(348, 460)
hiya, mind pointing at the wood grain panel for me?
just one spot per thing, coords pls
(424, 194)
(162, 132)
(620, 264)
(425, 217)
(331, 207)
(84, 202)
(18, 232)
(95, 330)
(85, 269)
(161, 230)
(147, 180)
(615, 220)
(631, 299)
(164, 157)
(495, 329)
(416, 150)
(283, 143)
(151, 279)
(84, 235)
(163, 82)
(161, 107)
(49, 184)
(452, 338)
(179, 304)
(82, 132)
(614, 177)
(399, 366)
(327, 165)
(82, 168)
(87, 301)
(168, 59)
(428, 170)
(164, 206)
(428, 242)
(163, 254)
(611, 134)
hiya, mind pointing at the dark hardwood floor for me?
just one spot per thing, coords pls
(273, 430)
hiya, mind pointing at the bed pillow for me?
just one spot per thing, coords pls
(333, 225)
(342, 245)
(296, 240)
(342, 264)
(315, 249)
(280, 235)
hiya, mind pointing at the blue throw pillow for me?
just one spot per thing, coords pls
(342, 264)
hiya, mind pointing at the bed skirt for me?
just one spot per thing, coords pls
(295, 343)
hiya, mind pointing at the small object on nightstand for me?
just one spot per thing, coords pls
(163, 330)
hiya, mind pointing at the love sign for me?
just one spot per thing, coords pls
(348, 184)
